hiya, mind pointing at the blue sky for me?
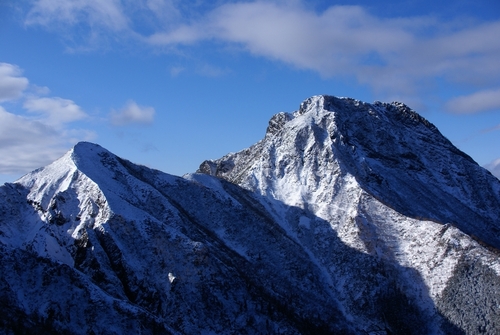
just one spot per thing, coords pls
(170, 83)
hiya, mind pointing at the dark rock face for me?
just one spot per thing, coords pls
(335, 223)
(40, 296)
(277, 122)
(472, 287)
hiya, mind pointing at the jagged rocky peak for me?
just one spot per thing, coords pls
(84, 162)
(369, 129)
(348, 107)
(392, 152)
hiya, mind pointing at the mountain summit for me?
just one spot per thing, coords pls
(388, 150)
(347, 218)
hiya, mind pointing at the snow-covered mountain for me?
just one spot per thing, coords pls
(387, 150)
(347, 218)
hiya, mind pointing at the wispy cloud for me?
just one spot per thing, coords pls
(85, 25)
(481, 101)
(44, 127)
(132, 113)
(490, 129)
(12, 84)
(176, 71)
(208, 70)
(95, 24)
(107, 14)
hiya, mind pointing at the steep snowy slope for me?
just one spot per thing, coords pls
(389, 185)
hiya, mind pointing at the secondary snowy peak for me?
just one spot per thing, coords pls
(386, 150)
(79, 174)
(83, 158)
(58, 202)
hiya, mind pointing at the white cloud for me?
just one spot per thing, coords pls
(27, 144)
(11, 83)
(481, 101)
(132, 114)
(494, 167)
(55, 111)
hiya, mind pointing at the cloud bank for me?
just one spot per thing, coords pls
(26, 144)
(43, 127)
(42, 131)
